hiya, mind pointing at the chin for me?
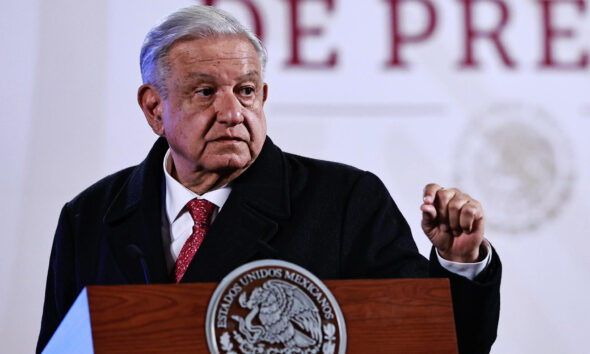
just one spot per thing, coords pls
(230, 164)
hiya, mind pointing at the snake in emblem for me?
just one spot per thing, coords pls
(285, 313)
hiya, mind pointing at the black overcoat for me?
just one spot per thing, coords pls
(332, 219)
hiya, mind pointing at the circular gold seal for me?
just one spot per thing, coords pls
(272, 306)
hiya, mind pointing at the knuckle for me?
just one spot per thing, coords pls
(444, 195)
(456, 190)
(454, 205)
(465, 223)
(469, 210)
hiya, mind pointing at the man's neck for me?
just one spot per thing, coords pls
(201, 182)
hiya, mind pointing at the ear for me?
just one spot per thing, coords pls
(264, 93)
(151, 104)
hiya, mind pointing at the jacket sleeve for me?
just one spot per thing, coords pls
(378, 243)
(476, 304)
(60, 290)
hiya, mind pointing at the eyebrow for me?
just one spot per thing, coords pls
(252, 75)
(194, 75)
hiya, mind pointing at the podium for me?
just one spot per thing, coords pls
(382, 316)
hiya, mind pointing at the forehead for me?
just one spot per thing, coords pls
(229, 52)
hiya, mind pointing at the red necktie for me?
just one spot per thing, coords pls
(201, 210)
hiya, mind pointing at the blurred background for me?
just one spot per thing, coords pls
(487, 95)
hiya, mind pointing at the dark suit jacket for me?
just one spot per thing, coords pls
(332, 219)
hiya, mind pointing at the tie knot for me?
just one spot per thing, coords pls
(201, 210)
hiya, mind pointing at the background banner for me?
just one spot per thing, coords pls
(487, 95)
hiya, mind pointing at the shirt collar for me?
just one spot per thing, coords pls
(178, 195)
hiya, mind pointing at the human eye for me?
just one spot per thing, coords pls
(247, 90)
(204, 91)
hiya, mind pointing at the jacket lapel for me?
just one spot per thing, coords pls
(241, 232)
(134, 218)
(248, 220)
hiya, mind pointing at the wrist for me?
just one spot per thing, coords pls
(477, 255)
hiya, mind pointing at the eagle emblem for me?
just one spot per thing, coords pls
(285, 315)
(274, 307)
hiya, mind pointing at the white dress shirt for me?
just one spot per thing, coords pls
(181, 223)
(179, 219)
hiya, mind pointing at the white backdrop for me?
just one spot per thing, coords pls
(515, 138)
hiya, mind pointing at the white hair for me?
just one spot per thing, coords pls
(194, 22)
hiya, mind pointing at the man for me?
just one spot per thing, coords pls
(215, 192)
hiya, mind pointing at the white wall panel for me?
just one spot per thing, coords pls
(515, 138)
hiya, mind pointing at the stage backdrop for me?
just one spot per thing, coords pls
(488, 95)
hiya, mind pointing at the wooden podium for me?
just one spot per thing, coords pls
(382, 316)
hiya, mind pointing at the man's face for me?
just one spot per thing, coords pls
(212, 116)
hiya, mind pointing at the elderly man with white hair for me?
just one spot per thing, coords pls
(215, 192)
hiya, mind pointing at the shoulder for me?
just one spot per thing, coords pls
(321, 166)
(127, 185)
(331, 177)
(339, 183)
(100, 194)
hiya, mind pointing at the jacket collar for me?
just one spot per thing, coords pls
(142, 184)
(241, 232)
(265, 186)
(134, 218)
(248, 221)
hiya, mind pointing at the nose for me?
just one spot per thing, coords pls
(228, 109)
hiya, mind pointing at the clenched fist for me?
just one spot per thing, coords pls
(454, 223)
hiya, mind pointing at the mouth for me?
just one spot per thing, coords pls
(228, 140)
